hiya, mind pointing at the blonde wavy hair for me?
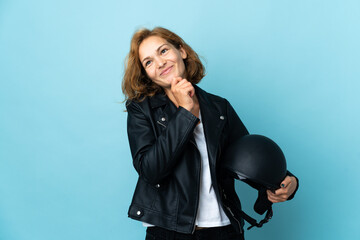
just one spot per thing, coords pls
(136, 85)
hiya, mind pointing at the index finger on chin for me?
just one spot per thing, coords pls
(175, 80)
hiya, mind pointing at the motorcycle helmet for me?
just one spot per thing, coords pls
(259, 162)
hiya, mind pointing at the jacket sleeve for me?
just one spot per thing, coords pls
(297, 186)
(154, 157)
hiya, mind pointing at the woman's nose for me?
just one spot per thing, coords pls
(161, 62)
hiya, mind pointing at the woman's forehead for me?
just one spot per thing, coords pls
(150, 45)
(152, 41)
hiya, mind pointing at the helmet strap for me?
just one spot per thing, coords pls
(253, 222)
(262, 203)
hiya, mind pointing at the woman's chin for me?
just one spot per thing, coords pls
(165, 82)
(168, 80)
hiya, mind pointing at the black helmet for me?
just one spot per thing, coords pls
(258, 161)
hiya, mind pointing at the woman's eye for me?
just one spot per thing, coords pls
(164, 51)
(147, 63)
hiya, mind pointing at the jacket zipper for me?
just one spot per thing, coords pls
(198, 190)
(161, 124)
(233, 215)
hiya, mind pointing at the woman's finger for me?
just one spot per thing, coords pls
(184, 86)
(175, 81)
(276, 198)
(189, 90)
(285, 182)
(183, 83)
(283, 190)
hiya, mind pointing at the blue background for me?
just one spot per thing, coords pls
(290, 68)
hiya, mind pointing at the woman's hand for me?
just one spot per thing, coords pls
(183, 92)
(288, 187)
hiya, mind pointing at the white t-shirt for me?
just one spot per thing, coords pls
(210, 213)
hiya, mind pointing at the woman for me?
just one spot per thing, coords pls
(177, 133)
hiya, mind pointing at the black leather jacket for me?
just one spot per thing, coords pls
(168, 162)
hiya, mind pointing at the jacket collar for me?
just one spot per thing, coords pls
(158, 100)
(209, 112)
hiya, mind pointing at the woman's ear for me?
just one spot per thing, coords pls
(183, 52)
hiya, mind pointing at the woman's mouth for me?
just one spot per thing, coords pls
(166, 71)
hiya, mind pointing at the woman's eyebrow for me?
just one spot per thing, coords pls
(156, 51)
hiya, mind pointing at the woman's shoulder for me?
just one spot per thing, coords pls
(136, 104)
(146, 103)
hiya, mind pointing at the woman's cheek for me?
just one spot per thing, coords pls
(150, 73)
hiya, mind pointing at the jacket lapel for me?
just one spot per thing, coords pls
(213, 122)
(163, 107)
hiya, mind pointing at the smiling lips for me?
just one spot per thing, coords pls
(166, 71)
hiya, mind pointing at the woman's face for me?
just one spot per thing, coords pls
(161, 60)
